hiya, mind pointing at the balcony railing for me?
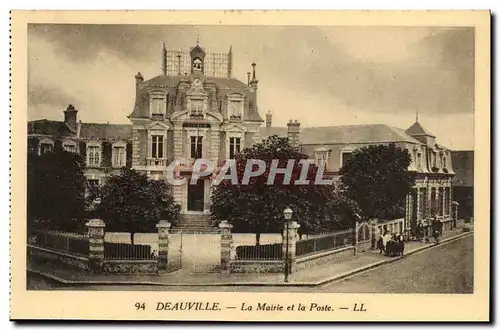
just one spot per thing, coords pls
(196, 114)
(235, 117)
(156, 163)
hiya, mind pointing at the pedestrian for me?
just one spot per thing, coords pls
(385, 240)
(420, 231)
(380, 241)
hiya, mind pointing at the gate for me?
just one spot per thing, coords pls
(194, 251)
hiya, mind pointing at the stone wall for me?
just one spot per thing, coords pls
(313, 260)
(256, 266)
(130, 266)
(44, 255)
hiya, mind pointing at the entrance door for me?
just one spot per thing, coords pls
(196, 195)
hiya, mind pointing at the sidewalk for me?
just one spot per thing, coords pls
(309, 277)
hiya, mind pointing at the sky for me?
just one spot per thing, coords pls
(320, 76)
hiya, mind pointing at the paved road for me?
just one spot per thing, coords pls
(443, 269)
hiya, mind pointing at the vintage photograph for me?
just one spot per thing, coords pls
(250, 158)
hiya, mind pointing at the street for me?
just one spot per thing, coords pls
(444, 269)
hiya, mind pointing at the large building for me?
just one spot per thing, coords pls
(432, 193)
(463, 183)
(196, 109)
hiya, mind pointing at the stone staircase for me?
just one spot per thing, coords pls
(196, 223)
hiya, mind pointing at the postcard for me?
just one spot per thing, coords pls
(250, 165)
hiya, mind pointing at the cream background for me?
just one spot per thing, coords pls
(120, 305)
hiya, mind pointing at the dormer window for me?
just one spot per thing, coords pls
(235, 107)
(197, 65)
(70, 146)
(321, 156)
(197, 108)
(45, 146)
(158, 104)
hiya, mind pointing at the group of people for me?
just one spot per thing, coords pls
(391, 244)
(436, 228)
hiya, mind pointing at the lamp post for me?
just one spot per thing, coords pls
(288, 216)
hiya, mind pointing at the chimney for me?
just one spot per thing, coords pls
(269, 119)
(70, 117)
(138, 79)
(254, 80)
(293, 132)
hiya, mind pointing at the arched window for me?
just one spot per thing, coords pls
(197, 64)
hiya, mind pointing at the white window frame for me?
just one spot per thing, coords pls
(70, 143)
(235, 132)
(116, 145)
(321, 155)
(444, 159)
(94, 144)
(162, 134)
(45, 141)
(235, 98)
(196, 132)
(418, 158)
(345, 150)
(162, 97)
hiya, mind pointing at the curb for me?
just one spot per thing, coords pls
(324, 281)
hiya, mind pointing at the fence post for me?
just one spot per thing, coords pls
(226, 240)
(373, 233)
(356, 239)
(290, 237)
(96, 244)
(163, 228)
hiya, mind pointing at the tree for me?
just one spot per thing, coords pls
(258, 207)
(376, 177)
(133, 203)
(56, 191)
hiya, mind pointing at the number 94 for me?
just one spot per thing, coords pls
(140, 306)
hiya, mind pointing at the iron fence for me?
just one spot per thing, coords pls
(73, 243)
(122, 251)
(325, 242)
(260, 252)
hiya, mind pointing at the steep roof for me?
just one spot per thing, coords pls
(87, 130)
(106, 131)
(142, 102)
(48, 127)
(418, 130)
(346, 134)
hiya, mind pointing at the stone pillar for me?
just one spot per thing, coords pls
(290, 237)
(226, 242)
(455, 213)
(96, 244)
(419, 202)
(163, 231)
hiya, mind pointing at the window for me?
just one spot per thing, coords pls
(197, 64)
(69, 147)
(434, 159)
(321, 156)
(444, 162)
(433, 201)
(419, 160)
(346, 156)
(234, 146)
(45, 148)
(196, 108)
(94, 156)
(118, 156)
(423, 203)
(196, 147)
(157, 147)
(446, 200)
(236, 109)
(92, 183)
(158, 106)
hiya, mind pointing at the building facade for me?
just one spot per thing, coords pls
(463, 183)
(195, 109)
(332, 146)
